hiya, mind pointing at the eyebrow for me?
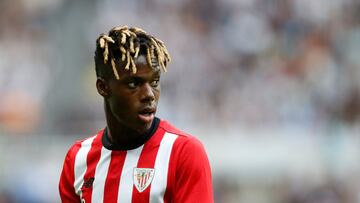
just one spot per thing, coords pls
(135, 77)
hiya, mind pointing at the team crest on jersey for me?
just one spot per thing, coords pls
(143, 177)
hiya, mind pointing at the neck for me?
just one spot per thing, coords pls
(119, 132)
(122, 136)
(123, 143)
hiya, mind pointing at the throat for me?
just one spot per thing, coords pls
(127, 140)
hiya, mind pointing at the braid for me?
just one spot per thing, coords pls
(123, 45)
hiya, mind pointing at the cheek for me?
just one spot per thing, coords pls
(157, 94)
(118, 106)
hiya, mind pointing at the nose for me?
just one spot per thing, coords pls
(147, 93)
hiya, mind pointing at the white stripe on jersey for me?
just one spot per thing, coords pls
(126, 179)
(100, 175)
(158, 185)
(80, 165)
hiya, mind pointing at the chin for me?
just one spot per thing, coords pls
(136, 125)
(143, 127)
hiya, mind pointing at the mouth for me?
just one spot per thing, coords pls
(147, 114)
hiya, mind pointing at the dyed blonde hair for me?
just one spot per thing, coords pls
(123, 45)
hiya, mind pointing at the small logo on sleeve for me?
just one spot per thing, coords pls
(143, 177)
(88, 182)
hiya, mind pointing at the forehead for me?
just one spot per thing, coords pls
(143, 69)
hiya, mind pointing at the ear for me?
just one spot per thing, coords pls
(102, 87)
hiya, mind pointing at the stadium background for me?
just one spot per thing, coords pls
(270, 86)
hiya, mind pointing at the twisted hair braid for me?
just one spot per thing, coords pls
(123, 45)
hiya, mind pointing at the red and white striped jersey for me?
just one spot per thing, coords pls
(170, 167)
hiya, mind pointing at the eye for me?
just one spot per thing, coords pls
(155, 83)
(132, 85)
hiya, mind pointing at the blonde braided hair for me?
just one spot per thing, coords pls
(123, 43)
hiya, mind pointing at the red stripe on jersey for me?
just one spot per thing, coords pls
(147, 160)
(66, 188)
(92, 160)
(113, 178)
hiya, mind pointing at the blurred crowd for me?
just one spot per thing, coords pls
(257, 64)
(251, 63)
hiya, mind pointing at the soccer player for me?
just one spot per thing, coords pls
(137, 157)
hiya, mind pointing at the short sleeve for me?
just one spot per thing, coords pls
(193, 180)
(66, 184)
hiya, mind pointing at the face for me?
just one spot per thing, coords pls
(132, 100)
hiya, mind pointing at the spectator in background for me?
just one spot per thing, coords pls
(23, 49)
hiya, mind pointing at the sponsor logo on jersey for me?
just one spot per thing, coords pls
(143, 177)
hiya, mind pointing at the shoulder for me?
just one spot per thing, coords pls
(169, 128)
(82, 143)
(181, 135)
(185, 143)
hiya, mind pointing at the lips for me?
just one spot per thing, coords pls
(147, 114)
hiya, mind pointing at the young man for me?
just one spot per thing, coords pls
(137, 157)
